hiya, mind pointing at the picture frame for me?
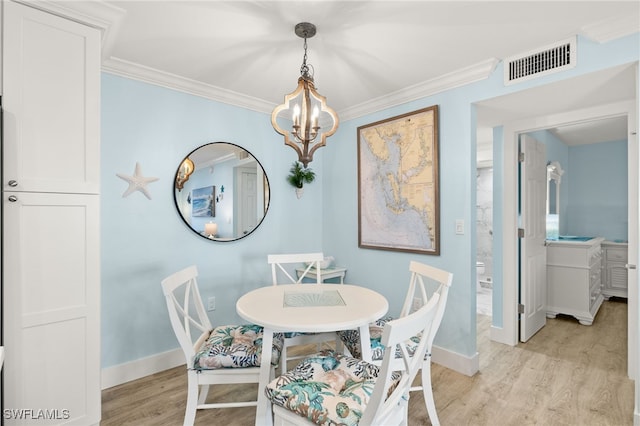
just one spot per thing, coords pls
(398, 183)
(203, 201)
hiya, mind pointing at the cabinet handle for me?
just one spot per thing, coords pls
(13, 183)
(630, 266)
(13, 198)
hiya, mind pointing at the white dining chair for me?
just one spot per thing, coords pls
(334, 388)
(227, 354)
(280, 274)
(425, 282)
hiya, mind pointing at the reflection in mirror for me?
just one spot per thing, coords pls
(554, 175)
(221, 191)
(552, 195)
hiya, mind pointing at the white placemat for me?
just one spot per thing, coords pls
(297, 299)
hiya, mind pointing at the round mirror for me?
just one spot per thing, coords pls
(221, 191)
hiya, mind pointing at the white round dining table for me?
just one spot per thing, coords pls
(307, 308)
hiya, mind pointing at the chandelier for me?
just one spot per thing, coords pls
(304, 119)
(184, 171)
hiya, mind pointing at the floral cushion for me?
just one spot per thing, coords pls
(235, 346)
(327, 388)
(351, 339)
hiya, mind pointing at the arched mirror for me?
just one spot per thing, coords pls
(221, 191)
(554, 176)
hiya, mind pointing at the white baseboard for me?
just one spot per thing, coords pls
(118, 374)
(499, 335)
(456, 362)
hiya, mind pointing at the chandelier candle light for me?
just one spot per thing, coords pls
(184, 171)
(312, 120)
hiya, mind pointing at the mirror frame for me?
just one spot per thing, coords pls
(179, 181)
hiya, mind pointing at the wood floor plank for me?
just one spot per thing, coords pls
(567, 374)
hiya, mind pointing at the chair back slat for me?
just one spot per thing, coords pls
(279, 261)
(186, 310)
(385, 408)
(427, 279)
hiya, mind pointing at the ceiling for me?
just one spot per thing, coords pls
(367, 55)
(603, 130)
(608, 86)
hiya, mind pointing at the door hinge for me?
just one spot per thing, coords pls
(521, 157)
(520, 232)
(520, 308)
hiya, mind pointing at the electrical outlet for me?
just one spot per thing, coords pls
(211, 304)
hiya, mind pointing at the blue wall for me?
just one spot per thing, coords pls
(144, 240)
(597, 204)
(593, 189)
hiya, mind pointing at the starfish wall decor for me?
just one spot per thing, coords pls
(137, 182)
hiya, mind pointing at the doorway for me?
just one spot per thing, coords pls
(572, 100)
(510, 238)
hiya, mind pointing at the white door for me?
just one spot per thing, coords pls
(632, 265)
(533, 252)
(248, 201)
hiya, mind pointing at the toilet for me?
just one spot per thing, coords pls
(479, 274)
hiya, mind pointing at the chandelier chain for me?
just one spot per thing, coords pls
(304, 68)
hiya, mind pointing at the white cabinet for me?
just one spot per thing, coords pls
(51, 304)
(574, 284)
(50, 219)
(614, 271)
(51, 103)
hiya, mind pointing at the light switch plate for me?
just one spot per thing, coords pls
(459, 227)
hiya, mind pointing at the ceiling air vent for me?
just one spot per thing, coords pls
(547, 60)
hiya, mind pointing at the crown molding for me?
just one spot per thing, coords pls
(458, 78)
(172, 81)
(611, 29)
(175, 82)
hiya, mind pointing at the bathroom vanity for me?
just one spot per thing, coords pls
(574, 281)
(614, 271)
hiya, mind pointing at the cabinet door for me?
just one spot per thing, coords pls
(51, 309)
(616, 276)
(51, 101)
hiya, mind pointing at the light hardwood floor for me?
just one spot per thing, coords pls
(567, 374)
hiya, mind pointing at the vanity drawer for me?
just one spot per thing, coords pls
(577, 255)
(617, 254)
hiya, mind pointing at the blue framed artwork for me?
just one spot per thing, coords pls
(203, 202)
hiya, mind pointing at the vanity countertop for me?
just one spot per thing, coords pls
(616, 243)
(574, 241)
